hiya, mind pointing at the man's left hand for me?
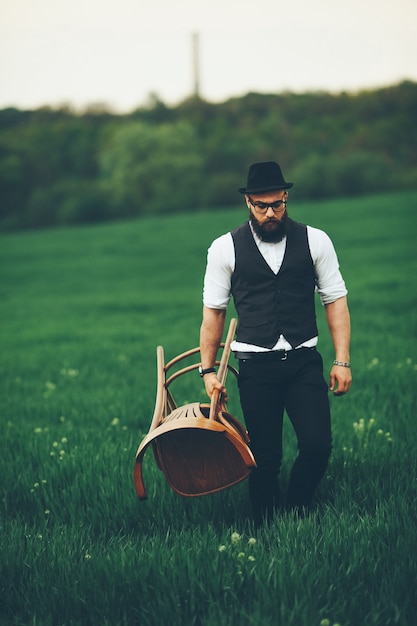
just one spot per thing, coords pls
(340, 379)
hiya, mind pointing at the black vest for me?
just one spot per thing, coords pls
(269, 304)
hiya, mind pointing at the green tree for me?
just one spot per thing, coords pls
(67, 202)
(12, 188)
(152, 169)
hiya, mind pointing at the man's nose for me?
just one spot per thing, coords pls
(270, 212)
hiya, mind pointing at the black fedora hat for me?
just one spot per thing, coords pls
(263, 177)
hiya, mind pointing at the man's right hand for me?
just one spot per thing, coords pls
(211, 383)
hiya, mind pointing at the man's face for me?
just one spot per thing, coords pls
(268, 222)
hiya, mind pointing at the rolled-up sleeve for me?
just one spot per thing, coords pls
(219, 269)
(329, 281)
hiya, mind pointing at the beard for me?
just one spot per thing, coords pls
(272, 230)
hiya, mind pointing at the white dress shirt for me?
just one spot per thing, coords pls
(221, 264)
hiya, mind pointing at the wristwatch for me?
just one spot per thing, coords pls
(208, 370)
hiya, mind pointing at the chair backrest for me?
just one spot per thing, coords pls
(165, 402)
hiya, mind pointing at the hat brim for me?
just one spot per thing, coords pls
(247, 190)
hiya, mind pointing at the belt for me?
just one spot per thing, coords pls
(271, 355)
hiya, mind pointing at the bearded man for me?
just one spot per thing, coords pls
(272, 266)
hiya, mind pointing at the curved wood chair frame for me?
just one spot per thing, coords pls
(200, 448)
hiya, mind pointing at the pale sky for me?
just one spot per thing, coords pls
(83, 52)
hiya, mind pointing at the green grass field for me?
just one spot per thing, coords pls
(82, 311)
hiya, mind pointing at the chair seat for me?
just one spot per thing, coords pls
(198, 456)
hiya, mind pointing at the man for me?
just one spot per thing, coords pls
(272, 266)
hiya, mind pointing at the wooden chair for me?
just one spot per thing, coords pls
(200, 448)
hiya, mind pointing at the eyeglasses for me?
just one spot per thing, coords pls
(262, 207)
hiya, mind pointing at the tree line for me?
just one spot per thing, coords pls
(60, 167)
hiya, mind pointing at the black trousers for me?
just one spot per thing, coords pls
(268, 384)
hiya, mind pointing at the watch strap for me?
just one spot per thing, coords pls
(208, 370)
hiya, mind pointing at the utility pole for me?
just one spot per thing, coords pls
(196, 63)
